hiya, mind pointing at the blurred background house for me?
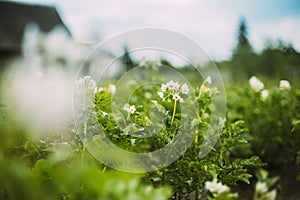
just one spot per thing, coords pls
(15, 16)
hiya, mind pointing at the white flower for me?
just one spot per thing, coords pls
(89, 81)
(170, 83)
(133, 142)
(148, 95)
(176, 97)
(100, 89)
(86, 84)
(173, 85)
(96, 90)
(222, 188)
(128, 108)
(160, 94)
(271, 195)
(104, 113)
(256, 84)
(164, 87)
(264, 95)
(185, 89)
(261, 187)
(215, 187)
(176, 86)
(132, 109)
(112, 89)
(173, 89)
(204, 89)
(208, 80)
(92, 85)
(284, 85)
(205, 115)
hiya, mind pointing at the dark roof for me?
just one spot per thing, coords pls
(14, 16)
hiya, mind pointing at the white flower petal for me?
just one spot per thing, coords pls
(164, 87)
(256, 84)
(215, 187)
(264, 95)
(132, 109)
(185, 89)
(208, 79)
(284, 85)
(261, 187)
(112, 88)
(160, 94)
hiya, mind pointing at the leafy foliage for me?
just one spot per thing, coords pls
(270, 122)
(48, 168)
(191, 171)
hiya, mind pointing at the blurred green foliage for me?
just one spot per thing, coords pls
(277, 60)
(44, 168)
(270, 122)
(188, 174)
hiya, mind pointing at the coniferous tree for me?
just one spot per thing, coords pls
(243, 45)
(243, 58)
(126, 60)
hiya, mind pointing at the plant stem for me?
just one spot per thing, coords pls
(174, 111)
(83, 143)
(163, 179)
(196, 194)
(84, 133)
(196, 138)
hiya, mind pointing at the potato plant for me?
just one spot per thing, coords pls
(189, 174)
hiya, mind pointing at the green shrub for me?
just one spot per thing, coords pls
(269, 115)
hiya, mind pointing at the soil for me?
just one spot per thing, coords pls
(288, 188)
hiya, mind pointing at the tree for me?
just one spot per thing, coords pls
(126, 60)
(243, 60)
(243, 45)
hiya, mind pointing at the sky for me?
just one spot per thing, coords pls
(211, 23)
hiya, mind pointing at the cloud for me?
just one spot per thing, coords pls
(210, 27)
(213, 23)
(287, 29)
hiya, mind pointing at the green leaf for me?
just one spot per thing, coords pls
(158, 106)
(244, 177)
(156, 178)
(296, 125)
